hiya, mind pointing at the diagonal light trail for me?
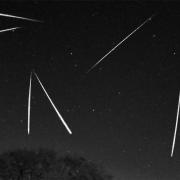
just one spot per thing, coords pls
(61, 118)
(149, 19)
(29, 103)
(19, 17)
(175, 131)
(9, 29)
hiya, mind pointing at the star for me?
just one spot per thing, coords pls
(149, 165)
(174, 53)
(100, 69)
(118, 92)
(124, 151)
(154, 36)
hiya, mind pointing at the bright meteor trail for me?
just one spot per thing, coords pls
(9, 29)
(175, 131)
(149, 19)
(18, 17)
(29, 103)
(61, 118)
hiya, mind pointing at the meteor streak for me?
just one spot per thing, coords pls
(9, 29)
(61, 118)
(149, 19)
(29, 103)
(18, 17)
(175, 131)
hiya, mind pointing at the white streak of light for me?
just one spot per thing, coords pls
(149, 19)
(175, 131)
(9, 29)
(18, 17)
(29, 103)
(61, 118)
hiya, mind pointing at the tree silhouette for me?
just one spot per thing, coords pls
(72, 167)
(24, 164)
(46, 165)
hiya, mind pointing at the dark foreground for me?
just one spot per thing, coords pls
(47, 164)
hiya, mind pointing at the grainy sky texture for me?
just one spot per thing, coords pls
(123, 112)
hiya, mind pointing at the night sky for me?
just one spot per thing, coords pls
(122, 114)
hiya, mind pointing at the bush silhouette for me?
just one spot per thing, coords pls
(44, 164)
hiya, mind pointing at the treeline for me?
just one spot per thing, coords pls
(45, 164)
